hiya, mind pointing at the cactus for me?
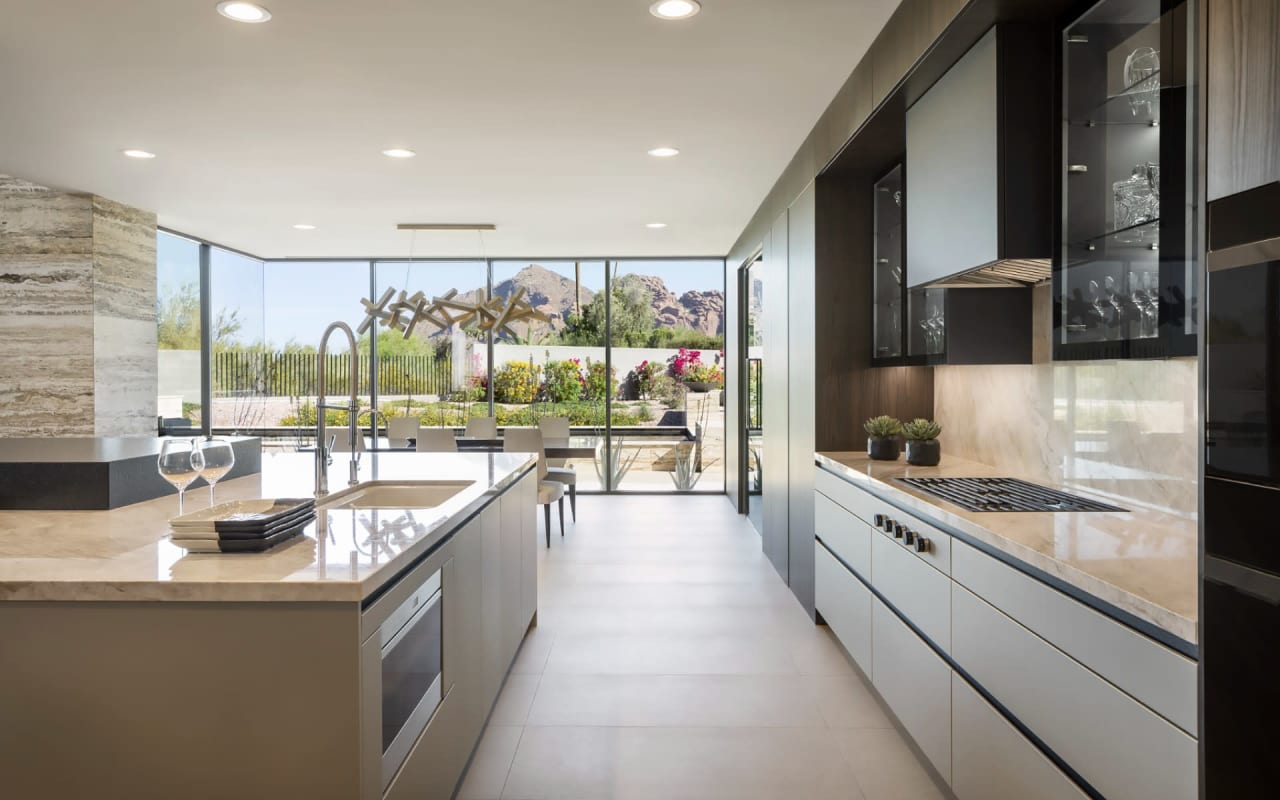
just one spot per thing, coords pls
(921, 430)
(882, 427)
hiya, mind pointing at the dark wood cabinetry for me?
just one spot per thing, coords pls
(1243, 101)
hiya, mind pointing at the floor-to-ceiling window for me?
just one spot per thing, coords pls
(237, 304)
(557, 367)
(628, 352)
(438, 373)
(178, 328)
(303, 299)
(667, 332)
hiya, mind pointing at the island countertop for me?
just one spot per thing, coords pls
(125, 554)
(1142, 561)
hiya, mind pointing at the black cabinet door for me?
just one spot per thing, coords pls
(1243, 95)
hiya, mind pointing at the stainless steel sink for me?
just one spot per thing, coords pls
(398, 494)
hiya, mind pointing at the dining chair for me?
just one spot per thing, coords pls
(342, 443)
(482, 428)
(401, 429)
(437, 440)
(529, 440)
(558, 469)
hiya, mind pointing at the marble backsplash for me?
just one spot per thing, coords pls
(1127, 428)
(77, 314)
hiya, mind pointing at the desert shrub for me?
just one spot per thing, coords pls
(516, 382)
(562, 380)
(642, 378)
(599, 386)
(644, 413)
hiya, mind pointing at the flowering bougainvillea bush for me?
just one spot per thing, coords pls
(642, 377)
(687, 365)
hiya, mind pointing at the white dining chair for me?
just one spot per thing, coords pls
(437, 440)
(342, 442)
(482, 428)
(401, 429)
(558, 469)
(529, 440)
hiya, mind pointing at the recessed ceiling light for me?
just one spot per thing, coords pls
(664, 152)
(398, 152)
(675, 9)
(655, 224)
(244, 12)
(138, 154)
(302, 226)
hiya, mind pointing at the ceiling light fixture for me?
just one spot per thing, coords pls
(138, 154)
(655, 224)
(675, 9)
(664, 152)
(244, 12)
(398, 152)
(302, 226)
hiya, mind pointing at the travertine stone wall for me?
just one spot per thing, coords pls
(77, 314)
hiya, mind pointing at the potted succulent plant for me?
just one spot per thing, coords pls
(923, 449)
(882, 438)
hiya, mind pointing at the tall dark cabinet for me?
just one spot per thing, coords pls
(1125, 282)
(1243, 95)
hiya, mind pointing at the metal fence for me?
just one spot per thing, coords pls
(294, 374)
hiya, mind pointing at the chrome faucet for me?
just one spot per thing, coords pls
(323, 444)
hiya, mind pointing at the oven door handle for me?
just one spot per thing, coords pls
(432, 602)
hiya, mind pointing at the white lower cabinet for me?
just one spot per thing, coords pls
(992, 760)
(917, 590)
(916, 684)
(1116, 744)
(845, 604)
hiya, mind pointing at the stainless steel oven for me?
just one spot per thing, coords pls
(411, 647)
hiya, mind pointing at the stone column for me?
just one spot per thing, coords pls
(77, 314)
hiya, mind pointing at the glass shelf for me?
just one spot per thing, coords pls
(1136, 104)
(1143, 235)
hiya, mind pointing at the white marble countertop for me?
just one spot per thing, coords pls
(125, 554)
(1142, 561)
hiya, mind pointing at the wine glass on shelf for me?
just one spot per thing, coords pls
(180, 463)
(219, 458)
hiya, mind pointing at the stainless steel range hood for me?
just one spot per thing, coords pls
(980, 166)
(1012, 272)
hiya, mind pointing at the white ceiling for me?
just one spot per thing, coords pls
(531, 114)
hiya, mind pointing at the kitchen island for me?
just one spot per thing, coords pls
(1028, 654)
(133, 669)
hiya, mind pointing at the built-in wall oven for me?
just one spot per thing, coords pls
(410, 643)
(1240, 587)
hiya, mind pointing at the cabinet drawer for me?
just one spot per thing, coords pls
(915, 683)
(854, 500)
(1116, 744)
(919, 591)
(1161, 678)
(845, 603)
(938, 552)
(844, 534)
(992, 760)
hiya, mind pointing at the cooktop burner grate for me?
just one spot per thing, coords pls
(1003, 494)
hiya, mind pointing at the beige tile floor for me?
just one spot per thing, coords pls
(670, 661)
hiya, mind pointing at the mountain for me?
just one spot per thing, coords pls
(553, 294)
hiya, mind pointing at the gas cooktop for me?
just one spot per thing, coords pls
(1003, 494)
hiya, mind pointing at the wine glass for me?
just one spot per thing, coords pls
(180, 463)
(219, 458)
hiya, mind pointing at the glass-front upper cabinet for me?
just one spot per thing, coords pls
(1125, 282)
(888, 248)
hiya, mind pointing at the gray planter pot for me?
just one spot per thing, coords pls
(924, 454)
(883, 449)
(701, 387)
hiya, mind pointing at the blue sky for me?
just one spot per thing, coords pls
(286, 300)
